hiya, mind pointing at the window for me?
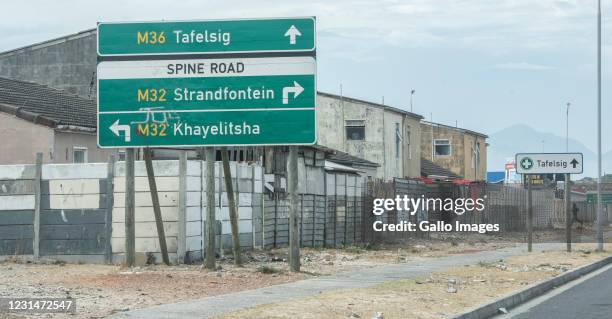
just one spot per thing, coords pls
(121, 156)
(442, 148)
(79, 155)
(355, 130)
(398, 140)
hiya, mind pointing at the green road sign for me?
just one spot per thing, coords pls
(207, 36)
(606, 198)
(240, 101)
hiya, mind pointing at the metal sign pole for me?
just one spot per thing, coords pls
(529, 215)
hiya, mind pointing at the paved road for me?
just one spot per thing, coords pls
(217, 305)
(590, 298)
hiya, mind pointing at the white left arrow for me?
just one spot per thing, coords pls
(116, 128)
(296, 89)
(292, 32)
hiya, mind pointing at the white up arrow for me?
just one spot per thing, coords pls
(292, 33)
(116, 128)
(296, 89)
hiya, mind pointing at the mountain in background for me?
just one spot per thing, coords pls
(522, 138)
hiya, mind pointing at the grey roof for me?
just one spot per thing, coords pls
(61, 107)
(429, 168)
(349, 160)
(386, 107)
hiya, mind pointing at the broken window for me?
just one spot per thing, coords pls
(442, 148)
(355, 130)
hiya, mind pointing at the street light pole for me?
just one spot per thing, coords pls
(567, 127)
(567, 191)
(600, 217)
(411, 94)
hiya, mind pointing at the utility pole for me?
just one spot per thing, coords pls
(600, 216)
(529, 215)
(229, 189)
(567, 190)
(130, 230)
(210, 209)
(294, 235)
(159, 223)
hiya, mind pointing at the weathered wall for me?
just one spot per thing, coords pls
(17, 203)
(379, 145)
(74, 219)
(67, 64)
(21, 140)
(247, 182)
(454, 162)
(460, 160)
(471, 171)
(66, 141)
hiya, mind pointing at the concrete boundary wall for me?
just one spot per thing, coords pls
(82, 209)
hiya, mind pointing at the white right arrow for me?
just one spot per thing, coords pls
(296, 89)
(116, 128)
(292, 32)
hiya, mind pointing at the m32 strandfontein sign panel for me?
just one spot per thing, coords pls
(234, 100)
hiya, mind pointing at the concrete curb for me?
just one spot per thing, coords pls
(536, 290)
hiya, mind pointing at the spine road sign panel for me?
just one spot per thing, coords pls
(549, 163)
(206, 37)
(195, 102)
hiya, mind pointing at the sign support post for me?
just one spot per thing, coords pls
(130, 230)
(210, 209)
(568, 213)
(231, 201)
(294, 235)
(529, 216)
(161, 233)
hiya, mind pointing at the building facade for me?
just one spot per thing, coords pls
(37, 119)
(461, 151)
(378, 133)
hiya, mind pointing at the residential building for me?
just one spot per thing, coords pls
(462, 151)
(36, 118)
(375, 132)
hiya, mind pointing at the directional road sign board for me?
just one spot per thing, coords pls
(549, 163)
(236, 101)
(606, 198)
(207, 36)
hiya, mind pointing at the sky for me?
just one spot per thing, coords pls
(479, 64)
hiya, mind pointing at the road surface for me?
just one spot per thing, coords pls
(586, 298)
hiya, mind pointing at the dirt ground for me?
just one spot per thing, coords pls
(100, 290)
(440, 295)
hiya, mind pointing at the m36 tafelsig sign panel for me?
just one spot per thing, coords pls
(235, 100)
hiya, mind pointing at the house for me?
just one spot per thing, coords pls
(385, 135)
(462, 151)
(36, 118)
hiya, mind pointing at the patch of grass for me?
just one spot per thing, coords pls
(268, 270)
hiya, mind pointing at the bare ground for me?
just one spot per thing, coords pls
(100, 290)
(439, 295)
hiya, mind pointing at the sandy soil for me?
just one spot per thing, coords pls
(440, 295)
(100, 290)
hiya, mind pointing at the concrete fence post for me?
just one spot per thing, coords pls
(110, 192)
(182, 213)
(37, 198)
